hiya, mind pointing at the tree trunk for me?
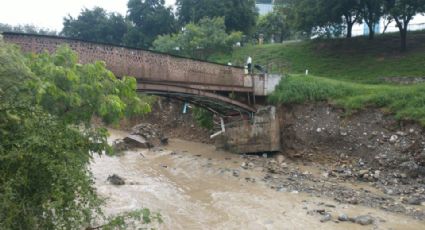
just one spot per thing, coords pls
(349, 30)
(403, 39)
(350, 23)
(371, 32)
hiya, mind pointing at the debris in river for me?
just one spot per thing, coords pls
(116, 180)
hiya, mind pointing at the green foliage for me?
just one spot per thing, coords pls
(203, 117)
(240, 15)
(96, 25)
(151, 19)
(136, 218)
(273, 26)
(406, 102)
(77, 92)
(199, 40)
(30, 29)
(321, 17)
(45, 150)
(402, 11)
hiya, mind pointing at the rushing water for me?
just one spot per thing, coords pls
(196, 189)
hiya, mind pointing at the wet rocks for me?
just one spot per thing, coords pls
(326, 217)
(363, 220)
(413, 201)
(343, 217)
(150, 134)
(116, 180)
(393, 139)
(119, 145)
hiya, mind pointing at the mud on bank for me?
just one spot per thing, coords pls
(367, 147)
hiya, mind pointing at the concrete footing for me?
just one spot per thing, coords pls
(260, 134)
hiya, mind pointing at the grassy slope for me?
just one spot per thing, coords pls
(346, 72)
(357, 59)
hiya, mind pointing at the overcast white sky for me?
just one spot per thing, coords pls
(50, 13)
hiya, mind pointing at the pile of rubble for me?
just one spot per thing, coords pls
(141, 136)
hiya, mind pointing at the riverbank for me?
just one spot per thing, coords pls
(194, 186)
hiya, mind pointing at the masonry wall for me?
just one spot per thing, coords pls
(142, 64)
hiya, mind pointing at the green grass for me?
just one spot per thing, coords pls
(406, 102)
(357, 59)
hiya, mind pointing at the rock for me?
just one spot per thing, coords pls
(326, 217)
(409, 165)
(164, 140)
(119, 145)
(414, 201)
(353, 200)
(244, 165)
(137, 142)
(281, 189)
(116, 180)
(377, 174)
(318, 130)
(393, 139)
(343, 217)
(236, 173)
(363, 172)
(363, 220)
(280, 159)
(400, 133)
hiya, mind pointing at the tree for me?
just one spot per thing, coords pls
(348, 10)
(273, 25)
(402, 11)
(371, 12)
(304, 15)
(322, 15)
(47, 142)
(96, 25)
(29, 29)
(239, 15)
(199, 40)
(151, 19)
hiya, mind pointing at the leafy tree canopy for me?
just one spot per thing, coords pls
(199, 40)
(96, 25)
(273, 26)
(29, 29)
(46, 104)
(240, 15)
(151, 18)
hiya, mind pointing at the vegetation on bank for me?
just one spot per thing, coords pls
(406, 102)
(47, 102)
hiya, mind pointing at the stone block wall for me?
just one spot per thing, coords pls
(142, 64)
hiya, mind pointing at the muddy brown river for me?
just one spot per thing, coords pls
(195, 188)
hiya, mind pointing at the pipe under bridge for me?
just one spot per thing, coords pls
(222, 89)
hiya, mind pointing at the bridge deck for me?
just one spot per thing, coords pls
(157, 70)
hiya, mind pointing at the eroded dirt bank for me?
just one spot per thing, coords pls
(368, 149)
(196, 187)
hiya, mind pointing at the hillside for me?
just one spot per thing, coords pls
(347, 73)
(357, 59)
